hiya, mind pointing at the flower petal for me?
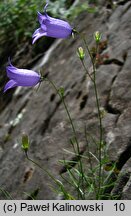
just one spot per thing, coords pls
(10, 84)
(57, 28)
(45, 9)
(39, 31)
(22, 77)
(37, 34)
(41, 17)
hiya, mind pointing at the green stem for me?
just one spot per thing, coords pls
(87, 72)
(58, 183)
(101, 133)
(90, 162)
(73, 128)
(99, 113)
(38, 165)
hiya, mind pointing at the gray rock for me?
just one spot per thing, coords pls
(42, 116)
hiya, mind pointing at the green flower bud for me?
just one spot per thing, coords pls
(25, 142)
(97, 36)
(81, 53)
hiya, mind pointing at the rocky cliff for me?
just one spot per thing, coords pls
(42, 116)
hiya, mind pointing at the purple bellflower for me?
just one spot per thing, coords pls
(51, 27)
(20, 77)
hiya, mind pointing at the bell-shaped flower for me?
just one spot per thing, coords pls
(51, 27)
(20, 77)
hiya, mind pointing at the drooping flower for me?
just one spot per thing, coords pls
(20, 77)
(51, 27)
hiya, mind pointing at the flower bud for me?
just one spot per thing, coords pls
(25, 142)
(97, 36)
(81, 53)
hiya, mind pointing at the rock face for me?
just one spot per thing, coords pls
(42, 116)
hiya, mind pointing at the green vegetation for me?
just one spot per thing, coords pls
(66, 9)
(18, 20)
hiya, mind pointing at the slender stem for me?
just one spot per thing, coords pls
(67, 111)
(87, 72)
(101, 131)
(90, 162)
(72, 125)
(93, 61)
(46, 171)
